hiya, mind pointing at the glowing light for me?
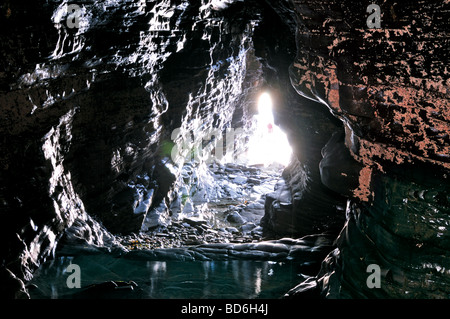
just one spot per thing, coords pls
(269, 143)
(265, 108)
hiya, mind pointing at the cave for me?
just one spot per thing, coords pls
(216, 149)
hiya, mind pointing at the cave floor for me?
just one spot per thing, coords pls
(217, 250)
(229, 210)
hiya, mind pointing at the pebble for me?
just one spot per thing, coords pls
(240, 179)
(235, 218)
(248, 227)
(194, 221)
(180, 235)
(162, 235)
(232, 230)
(235, 198)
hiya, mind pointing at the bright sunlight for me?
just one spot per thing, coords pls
(269, 143)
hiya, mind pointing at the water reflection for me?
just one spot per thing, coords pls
(157, 271)
(166, 279)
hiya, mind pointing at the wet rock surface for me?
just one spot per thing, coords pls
(223, 210)
(309, 249)
(87, 116)
(404, 232)
(390, 89)
(82, 121)
(301, 205)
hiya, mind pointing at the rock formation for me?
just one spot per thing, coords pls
(390, 87)
(91, 93)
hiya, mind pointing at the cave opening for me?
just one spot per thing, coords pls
(222, 146)
(223, 149)
(268, 144)
(214, 152)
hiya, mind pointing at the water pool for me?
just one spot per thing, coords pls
(165, 279)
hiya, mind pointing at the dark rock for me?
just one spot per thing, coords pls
(87, 116)
(232, 230)
(339, 171)
(194, 221)
(301, 205)
(248, 227)
(308, 289)
(399, 232)
(12, 287)
(235, 218)
(378, 82)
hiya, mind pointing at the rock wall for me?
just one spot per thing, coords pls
(88, 106)
(302, 204)
(82, 112)
(390, 88)
(87, 114)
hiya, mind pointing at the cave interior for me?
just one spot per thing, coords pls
(255, 149)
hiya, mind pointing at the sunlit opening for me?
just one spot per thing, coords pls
(269, 144)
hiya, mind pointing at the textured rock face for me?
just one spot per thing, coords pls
(390, 87)
(88, 105)
(87, 115)
(302, 204)
(379, 81)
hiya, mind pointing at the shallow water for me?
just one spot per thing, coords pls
(166, 279)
